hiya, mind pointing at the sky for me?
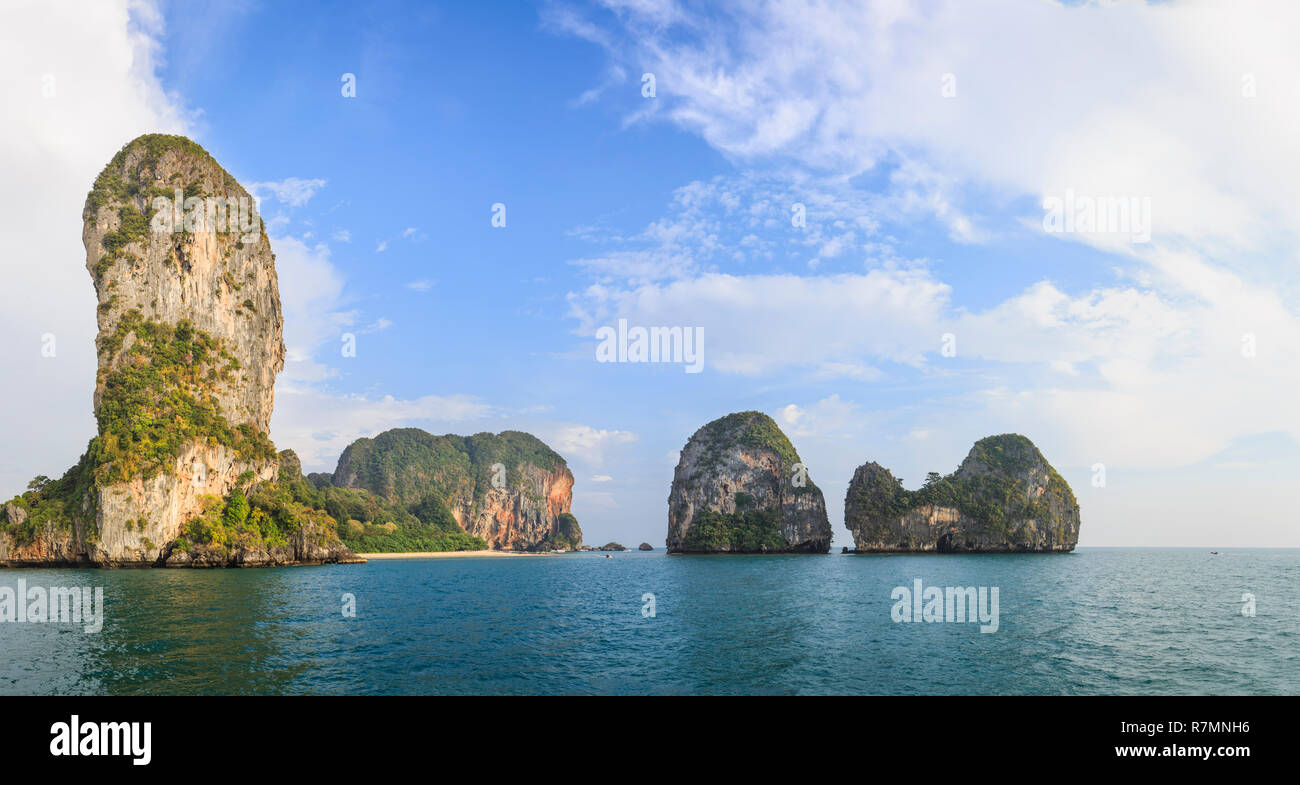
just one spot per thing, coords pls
(859, 207)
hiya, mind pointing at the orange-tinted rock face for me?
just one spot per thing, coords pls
(519, 518)
(508, 488)
(560, 498)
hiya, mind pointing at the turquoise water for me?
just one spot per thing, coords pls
(1110, 621)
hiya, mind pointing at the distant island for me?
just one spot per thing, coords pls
(1005, 497)
(408, 490)
(740, 487)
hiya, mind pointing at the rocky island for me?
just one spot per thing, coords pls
(505, 491)
(1004, 498)
(189, 344)
(740, 487)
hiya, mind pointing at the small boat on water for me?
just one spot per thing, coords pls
(1214, 553)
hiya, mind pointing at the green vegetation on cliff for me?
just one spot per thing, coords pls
(566, 537)
(117, 185)
(989, 487)
(408, 469)
(269, 514)
(236, 523)
(369, 524)
(129, 180)
(747, 530)
(160, 396)
(408, 464)
(54, 504)
(750, 430)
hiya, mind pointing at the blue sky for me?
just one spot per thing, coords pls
(920, 140)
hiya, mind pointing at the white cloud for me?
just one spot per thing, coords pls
(584, 443)
(761, 324)
(746, 219)
(1123, 98)
(615, 76)
(98, 73)
(828, 417)
(311, 296)
(422, 285)
(292, 191)
(601, 478)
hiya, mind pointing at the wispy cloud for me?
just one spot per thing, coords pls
(291, 192)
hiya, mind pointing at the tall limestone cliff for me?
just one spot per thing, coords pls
(1005, 497)
(189, 345)
(509, 489)
(740, 487)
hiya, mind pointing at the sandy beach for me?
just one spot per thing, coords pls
(447, 554)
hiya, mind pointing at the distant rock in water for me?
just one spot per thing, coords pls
(189, 345)
(612, 546)
(509, 489)
(1005, 497)
(740, 487)
(645, 546)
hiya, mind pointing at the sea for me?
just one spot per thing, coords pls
(1109, 621)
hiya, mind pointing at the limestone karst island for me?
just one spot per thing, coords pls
(1004, 498)
(182, 471)
(740, 487)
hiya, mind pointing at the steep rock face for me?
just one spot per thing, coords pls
(221, 282)
(520, 517)
(189, 344)
(221, 279)
(509, 488)
(315, 541)
(1005, 497)
(739, 486)
(165, 502)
